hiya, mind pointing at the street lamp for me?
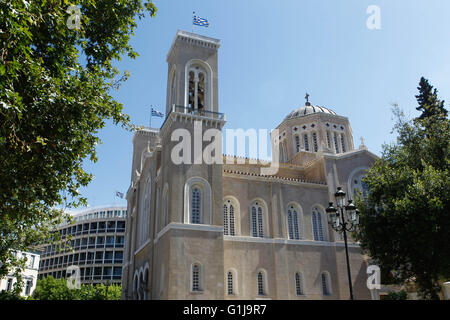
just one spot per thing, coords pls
(343, 219)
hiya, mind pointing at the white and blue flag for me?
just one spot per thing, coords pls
(156, 113)
(202, 22)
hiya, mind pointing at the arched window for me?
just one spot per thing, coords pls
(229, 218)
(306, 141)
(257, 221)
(196, 280)
(317, 224)
(315, 144)
(197, 201)
(326, 287)
(343, 143)
(198, 82)
(144, 212)
(357, 184)
(195, 207)
(135, 285)
(293, 220)
(297, 143)
(298, 284)
(230, 283)
(261, 284)
(336, 145)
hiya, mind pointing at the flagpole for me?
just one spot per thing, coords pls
(193, 15)
(151, 114)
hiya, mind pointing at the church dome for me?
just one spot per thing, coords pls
(308, 109)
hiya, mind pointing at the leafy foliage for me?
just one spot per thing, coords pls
(401, 295)
(56, 289)
(5, 295)
(405, 221)
(55, 95)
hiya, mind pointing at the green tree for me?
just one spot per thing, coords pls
(405, 220)
(56, 289)
(429, 103)
(50, 288)
(56, 81)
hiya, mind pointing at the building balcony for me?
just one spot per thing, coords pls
(194, 112)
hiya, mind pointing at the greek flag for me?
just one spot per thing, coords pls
(202, 22)
(119, 194)
(156, 113)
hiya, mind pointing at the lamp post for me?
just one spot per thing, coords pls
(343, 219)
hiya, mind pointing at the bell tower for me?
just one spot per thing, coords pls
(192, 75)
(191, 204)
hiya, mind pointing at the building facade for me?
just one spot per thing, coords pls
(29, 274)
(227, 229)
(95, 247)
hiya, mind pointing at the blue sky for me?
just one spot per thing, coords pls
(272, 53)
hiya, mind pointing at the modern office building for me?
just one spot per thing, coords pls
(29, 274)
(227, 229)
(96, 246)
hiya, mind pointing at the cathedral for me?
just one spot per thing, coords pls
(229, 230)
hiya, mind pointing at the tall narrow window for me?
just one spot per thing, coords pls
(328, 139)
(201, 91)
(261, 289)
(225, 220)
(257, 220)
(281, 152)
(191, 97)
(298, 284)
(317, 225)
(260, 223)
(343, 143)
(315, 144)
(232, 229)
(336, 145)
(297, 143)
(285, 151)
(228, 218)
(195, 278)
(172, 91)
(254, 223)
(195, 215)
(325, 284)
(230, 289)
(292, 217)
(306, 142)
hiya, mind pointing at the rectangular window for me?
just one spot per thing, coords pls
(316, 146)
(9, 285)
(343, 143)
(297, 143)
(306, 142)
(336, 145)
(28, 287)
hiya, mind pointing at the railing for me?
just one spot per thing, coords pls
(197, 112)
